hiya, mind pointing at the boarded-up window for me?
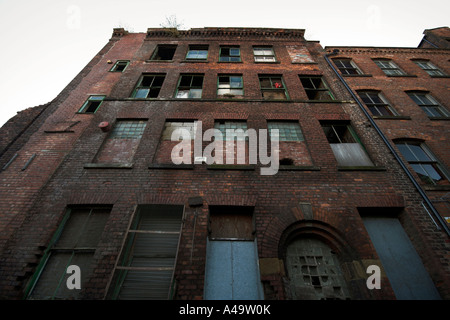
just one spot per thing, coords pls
(74, 243)
(146, 266)
(345, 145)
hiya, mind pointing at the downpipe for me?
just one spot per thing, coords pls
(442, 222)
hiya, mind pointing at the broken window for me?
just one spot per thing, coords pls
(423, 162)
(164, 52)
(347, 66)
(147, 263)
(92, 104)
(120, 66)
(429, 68)
(264, 54)
(74, 243)
(272, 87)
(190, 87)
(316, 88)
(230, 54)
(314, 271)
(149, 86)
(428, 104)
(345, 145)
(197, 52)
(389, 67)
(230, 85)
(377, 103)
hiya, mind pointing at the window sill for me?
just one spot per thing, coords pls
(171, 166)
(444, 76)
(270, 62)
(356, 75)
(439, 118)
(108, 166)
(297, 168)
(437, 188)
(59, 131)
(195, 61)
(230, 61)
(402, 75)
(392, 117)
(361, 168)
(163, 61)
(242, 167)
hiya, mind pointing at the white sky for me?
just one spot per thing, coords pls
(46, 43)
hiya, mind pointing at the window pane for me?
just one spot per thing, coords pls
(142, 93)
(195, 93)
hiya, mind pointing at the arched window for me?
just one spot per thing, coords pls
(314, 271)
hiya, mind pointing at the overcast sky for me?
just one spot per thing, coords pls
(46, 43)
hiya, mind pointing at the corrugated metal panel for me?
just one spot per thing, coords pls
(148, 264)
(403, 266)
(350, 154)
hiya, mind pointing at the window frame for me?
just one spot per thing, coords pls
(229, 56)
(429, 68)
(325, 88)
(139, 85)
(190, 87)
(374, 105)
(272, 55)
(230, 88)
(197, 48)
(432, 160)
(343, 68)
(273, 87)
(436, 106)
(51, 249)
(88, 102)
(120, 62)
(388, 66)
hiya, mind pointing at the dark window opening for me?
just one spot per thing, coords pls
(164, 52)
(148, 86)
(316, 88)
(92, 104)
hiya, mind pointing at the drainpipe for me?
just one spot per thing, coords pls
(386, 141)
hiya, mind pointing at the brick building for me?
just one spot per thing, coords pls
(89, 180)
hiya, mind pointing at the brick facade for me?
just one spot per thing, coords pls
(75, 164)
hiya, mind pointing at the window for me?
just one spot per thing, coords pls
(92, 104)
(287, 130)
(428, 104)
(171, 126)
(197, 52)
(230, 54)
(345, 145)
(429, 68)
(272, 87)
(74, 243)
(423, 162)
(314, 271)
(120, 66)
(376, 103)
(128, 129)
(389, 67)
(223, 126)
(146, 266)
(264, 54)
(190, 87)
(230, 85)
(148, 86)
(164, 52)
(316, 88)
(122, 142)
(347, 66)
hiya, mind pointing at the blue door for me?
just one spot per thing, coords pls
(232, 271)
(403, 266)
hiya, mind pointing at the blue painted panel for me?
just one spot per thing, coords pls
(232, 271)
(403, 266)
